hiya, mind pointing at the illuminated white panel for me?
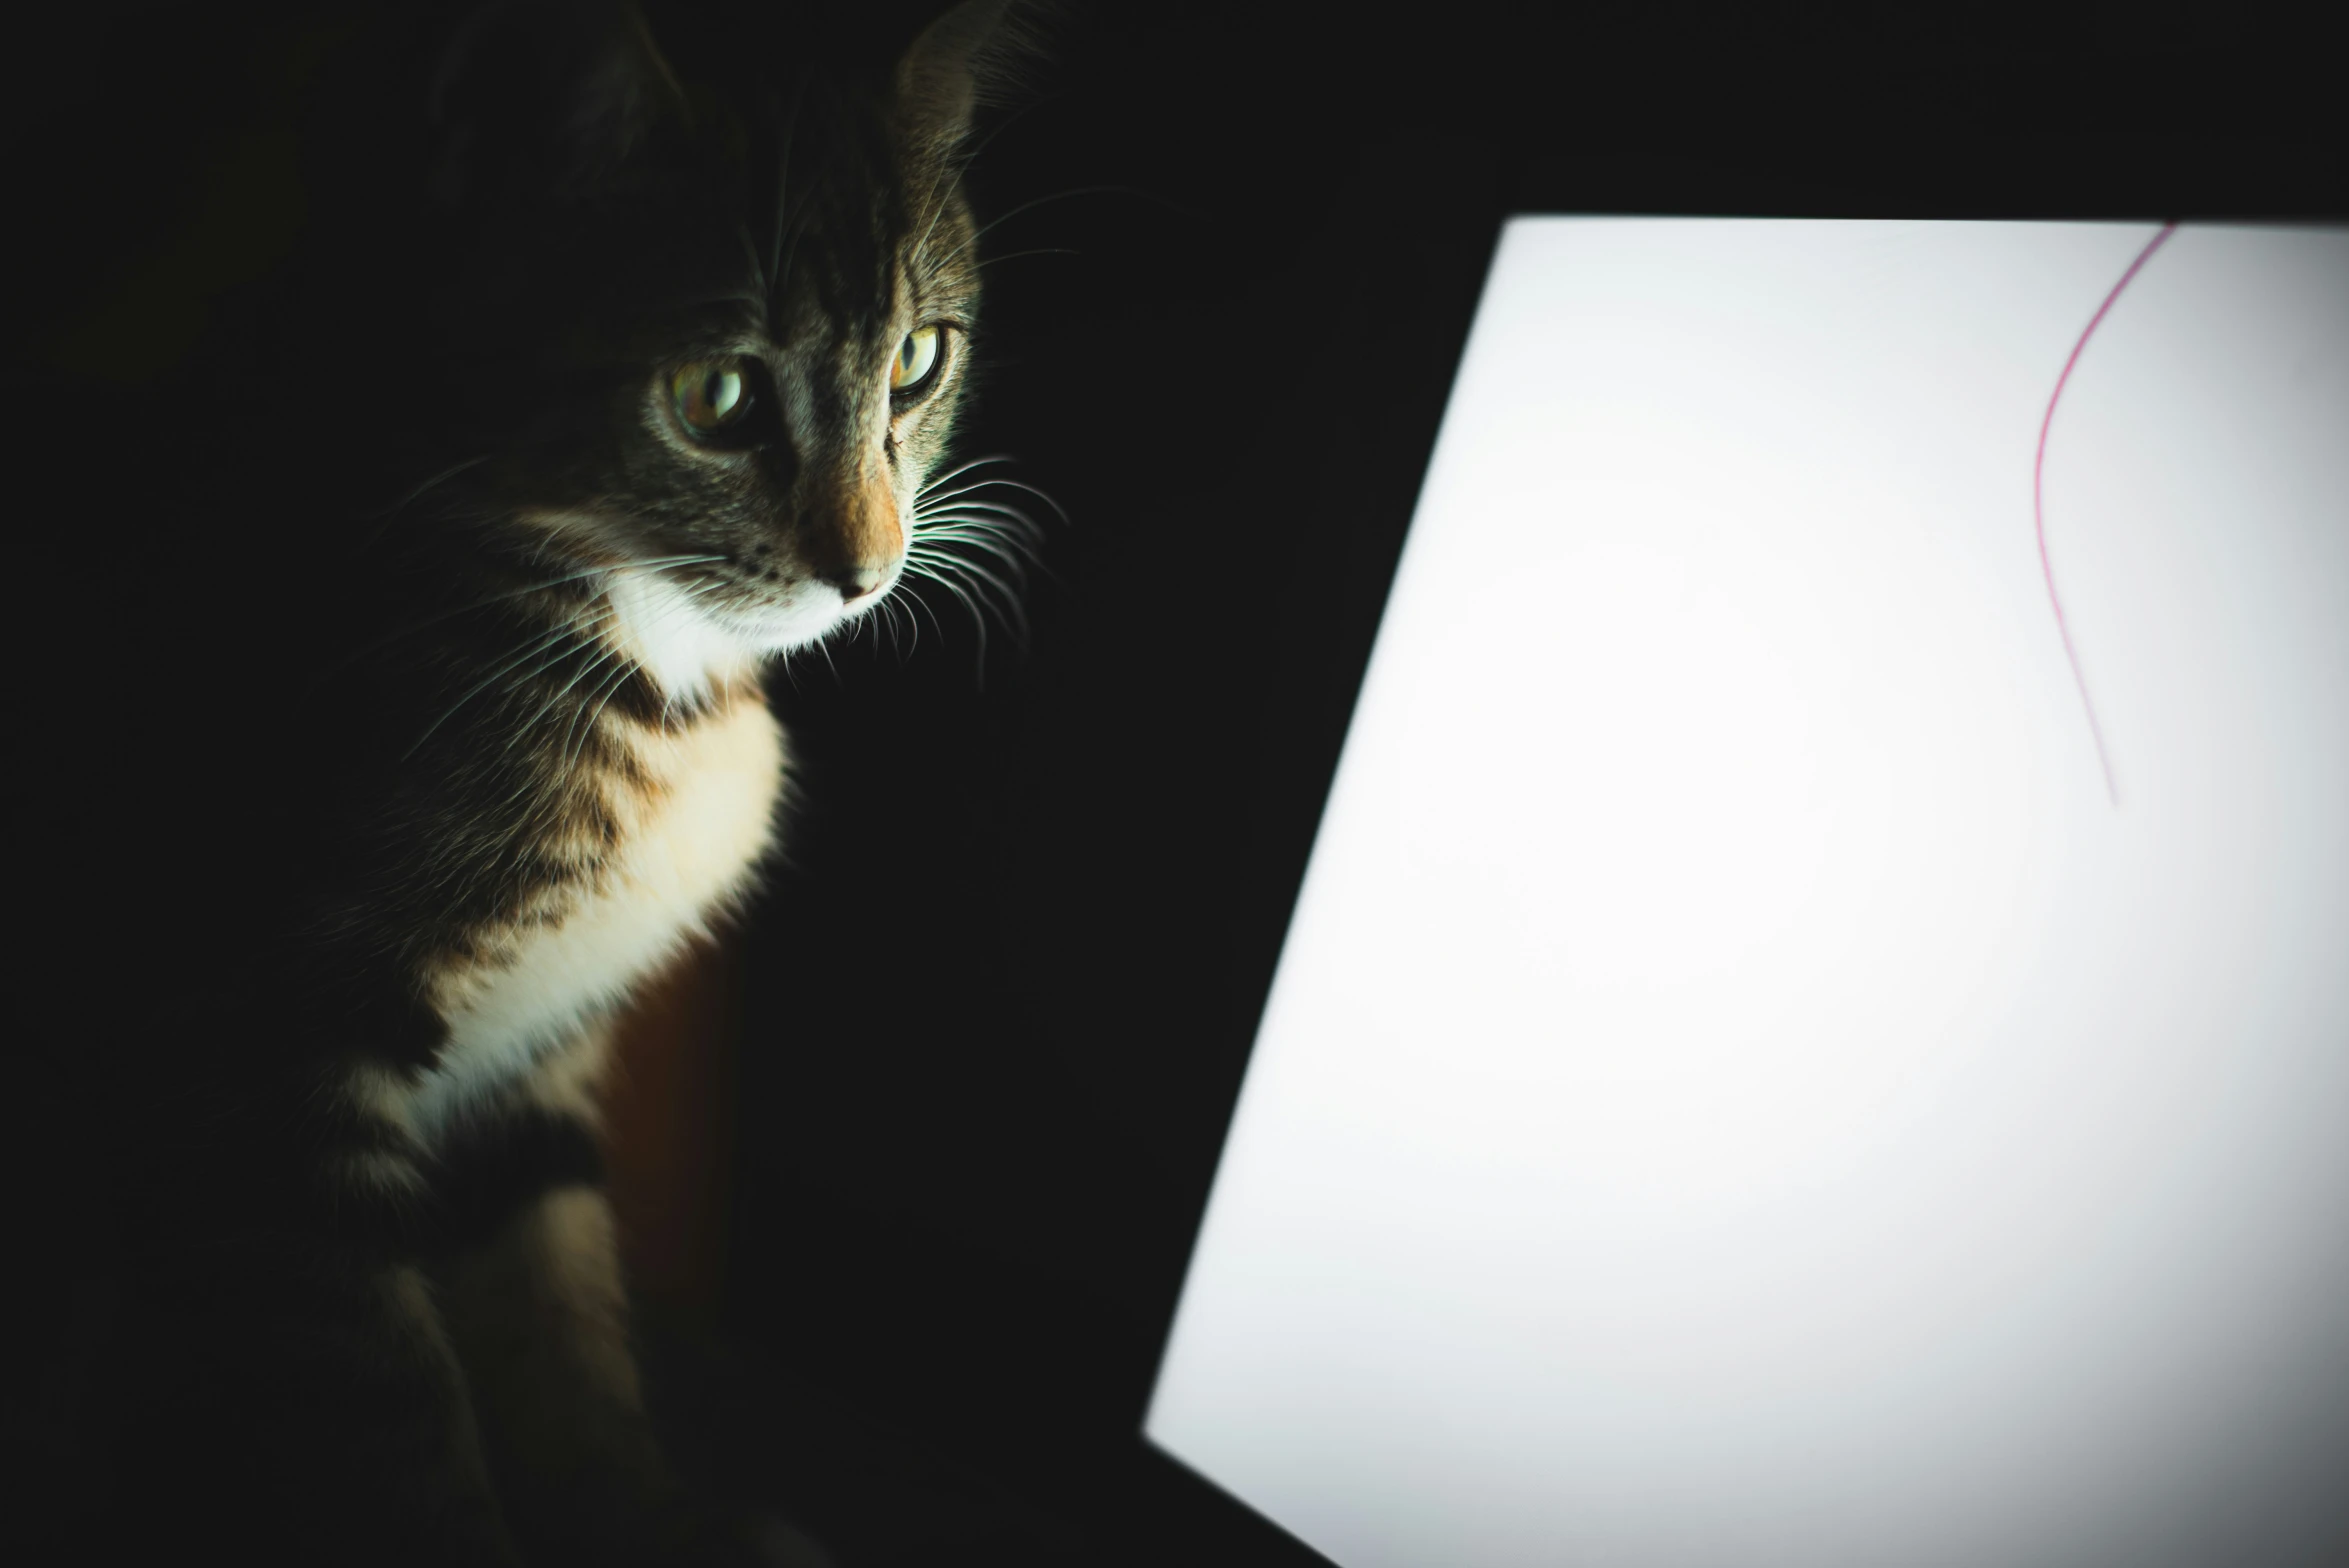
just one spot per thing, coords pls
(1738, 1089)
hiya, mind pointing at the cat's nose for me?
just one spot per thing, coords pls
(854, 582)
(853, 535)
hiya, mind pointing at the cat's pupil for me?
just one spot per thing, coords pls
(710, 396)
(917, 360)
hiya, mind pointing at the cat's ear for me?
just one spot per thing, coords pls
(972, 57)
(541, 99)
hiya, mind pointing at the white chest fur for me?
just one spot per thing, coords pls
(689, 846)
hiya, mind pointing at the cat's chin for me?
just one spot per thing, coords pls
(691, 646)
(802, 616)
(812, 613)
(765, 637)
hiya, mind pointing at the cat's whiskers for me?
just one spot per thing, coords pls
(918, 570)
(991, 514)
(978, 549)
(916, 608)
(532, 785)
(823, 645)
(926, 499)
(970, 582)
(648, 563)
(980, 572)
(1000, 512)
(547, 649)
(1041, 250)
(534, 648)
(979, 604)
(989, 529)
(602, 618)
(891, 613)
(609, 686)
(429, 485)
(984, 229)
(955, 473)
(1014, 559)
(694, 590)
(592, 709)
(1006, 573)
(913, 628)
(1014, 543)
(938, 209)
(966, 157)
(961, 162)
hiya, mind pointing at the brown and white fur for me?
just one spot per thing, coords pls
(369, 1303)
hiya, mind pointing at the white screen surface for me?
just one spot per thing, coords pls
(1739, 1088)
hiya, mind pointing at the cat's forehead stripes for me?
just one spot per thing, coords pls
(868, 227)
(841, 217)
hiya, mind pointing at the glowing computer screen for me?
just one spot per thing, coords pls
(1816, 1030)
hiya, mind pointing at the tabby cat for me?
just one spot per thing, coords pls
(566, 362)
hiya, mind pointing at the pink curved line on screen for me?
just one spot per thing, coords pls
(2039, 511)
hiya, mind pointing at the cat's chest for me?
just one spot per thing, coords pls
(690, 829)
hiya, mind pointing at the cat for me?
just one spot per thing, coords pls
(573, 362)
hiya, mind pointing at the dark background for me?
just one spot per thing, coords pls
(979, 1042)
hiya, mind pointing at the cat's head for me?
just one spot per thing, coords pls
(712, 311)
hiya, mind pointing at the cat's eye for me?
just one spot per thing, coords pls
(917, 361)
(710, 396)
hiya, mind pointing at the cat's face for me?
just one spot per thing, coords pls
(769, 443)
(749, 339)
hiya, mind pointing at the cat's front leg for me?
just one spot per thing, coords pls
(284, 1386)
(538, 1310)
